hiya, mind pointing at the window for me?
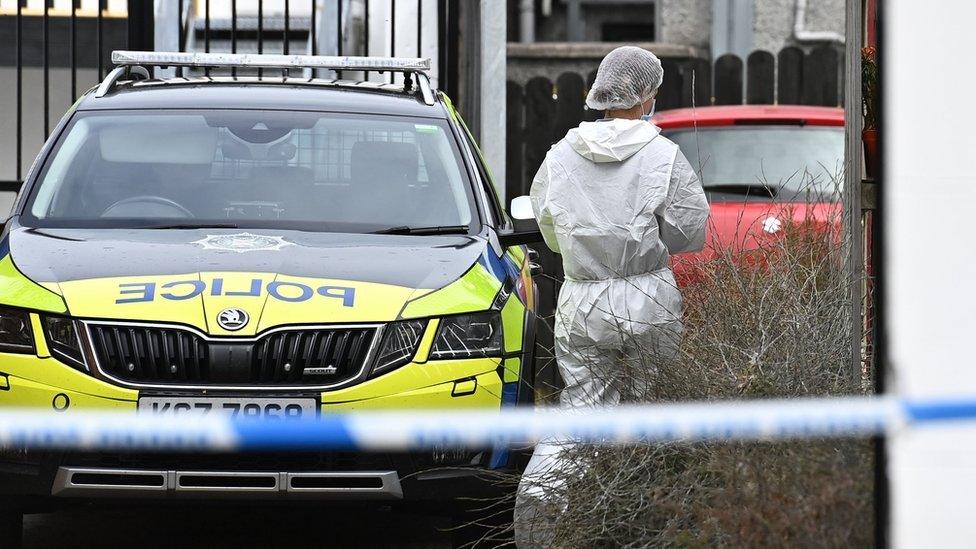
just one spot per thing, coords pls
(792, 160)
(491, 197)
(309, 171)
(628, 32)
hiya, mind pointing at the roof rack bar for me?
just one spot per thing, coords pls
(269, 61)
(423, 83)
(119, 73)
(133, 64)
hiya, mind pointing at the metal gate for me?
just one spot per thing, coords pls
(52, 50)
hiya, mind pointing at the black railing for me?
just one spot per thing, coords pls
(38, 42)
(68, 67)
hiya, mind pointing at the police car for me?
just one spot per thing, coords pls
(274, 247)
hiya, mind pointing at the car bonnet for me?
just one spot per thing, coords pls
(276, 277)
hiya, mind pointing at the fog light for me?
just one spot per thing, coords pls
(464, 387)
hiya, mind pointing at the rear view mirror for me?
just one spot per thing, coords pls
(522, 208)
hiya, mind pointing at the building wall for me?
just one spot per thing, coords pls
(773, 28)
(492, 94)
(553, 27)
(550, 60)
(686, 22)
(689, 22)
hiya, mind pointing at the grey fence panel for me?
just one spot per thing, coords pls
(760, 78)
(789, 81)
(696, 83)
(590, 79)
(570, 95)
(702, 81)
(821, 77)
(671, 93)
(540, 111)
(590, 114)
(728, 80)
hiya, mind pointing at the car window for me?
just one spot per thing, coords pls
(491, 197)
(311, 171)
(793, 158)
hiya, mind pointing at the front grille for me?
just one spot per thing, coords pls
(173, 356)
(294, 356)
(147, 354)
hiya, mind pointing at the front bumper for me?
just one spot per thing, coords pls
(43, 480)
(442, 474)
(72, 481)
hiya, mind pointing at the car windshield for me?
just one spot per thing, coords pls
(789, 160)
(263, 169)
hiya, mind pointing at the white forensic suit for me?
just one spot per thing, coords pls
(615, 199)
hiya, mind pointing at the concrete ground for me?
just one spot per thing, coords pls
(192, 525)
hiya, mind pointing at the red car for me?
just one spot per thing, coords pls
(763, 167)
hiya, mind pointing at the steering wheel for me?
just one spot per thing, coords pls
(146, 206)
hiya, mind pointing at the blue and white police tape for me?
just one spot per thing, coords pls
(423, 429)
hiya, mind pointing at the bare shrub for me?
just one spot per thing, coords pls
(767, 317)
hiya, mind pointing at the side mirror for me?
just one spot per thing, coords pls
(526, 230)
(522, 208)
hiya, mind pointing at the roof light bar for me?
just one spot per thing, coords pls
(270, 61)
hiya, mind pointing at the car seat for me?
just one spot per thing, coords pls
(384, 177)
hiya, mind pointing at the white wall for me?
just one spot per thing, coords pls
(774, 19)
(929, 193)
(493, 65)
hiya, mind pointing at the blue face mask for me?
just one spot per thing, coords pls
(647, 117)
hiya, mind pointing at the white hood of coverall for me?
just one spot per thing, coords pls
(611, 140)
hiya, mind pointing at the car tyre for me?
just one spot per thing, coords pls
(11, 529)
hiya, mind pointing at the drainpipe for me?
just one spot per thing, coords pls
(526, 21)
(801, 34)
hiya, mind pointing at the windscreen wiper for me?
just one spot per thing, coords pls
(193, 226)
(404, 229)
(748, 189)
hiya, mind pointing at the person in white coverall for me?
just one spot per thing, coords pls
(615, 199)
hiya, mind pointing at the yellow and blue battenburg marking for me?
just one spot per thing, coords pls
(506, 271)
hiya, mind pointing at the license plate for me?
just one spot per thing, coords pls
(264, 408)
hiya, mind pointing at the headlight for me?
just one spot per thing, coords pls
(63, 342)
(15, 332)
(400, 341)
(468, 336)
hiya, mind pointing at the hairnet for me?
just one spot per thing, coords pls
(627, 76)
